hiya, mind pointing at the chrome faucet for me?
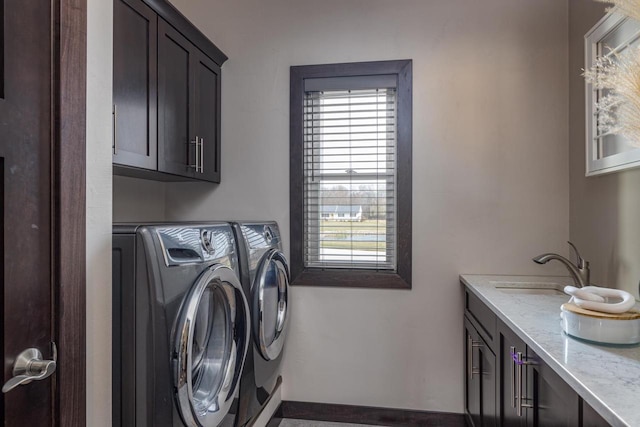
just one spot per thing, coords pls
(580, 271)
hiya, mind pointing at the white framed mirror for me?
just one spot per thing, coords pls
(608, 152)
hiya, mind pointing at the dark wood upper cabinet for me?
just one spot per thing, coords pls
(207, 117)
(134, 84)
(176, 117)
(167, 78)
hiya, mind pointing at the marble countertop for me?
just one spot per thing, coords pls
(606, 377)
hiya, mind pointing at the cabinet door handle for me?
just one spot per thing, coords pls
(114, 115)
(520, 362)
(512, 352)
(196, 166)
(471, 344)
(519, 385)
(201, 155)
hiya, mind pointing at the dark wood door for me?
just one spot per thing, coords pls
(508, 393)
(555, 404)
(27, 232)
(488, 386)
(590, 418)
(472, 378)
(135, 84)
(207, 111)
(177, 144)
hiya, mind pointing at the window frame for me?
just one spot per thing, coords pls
(354, 278)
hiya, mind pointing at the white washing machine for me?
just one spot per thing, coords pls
(265, 278)
(180, 325)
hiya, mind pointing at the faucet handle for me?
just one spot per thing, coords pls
(581, 261)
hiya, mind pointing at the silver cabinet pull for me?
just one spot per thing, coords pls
(519, 384)
(201, 155)
(519, 360)
(29, 366)
(471, 344)
(115, 129)
(195, 142)
(512, 352)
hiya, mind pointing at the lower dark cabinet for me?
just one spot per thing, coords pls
(553, 402)
(480, 389)
(510, 345)
(532, 394)
(488, 387)
(508, 385)
(590, 418)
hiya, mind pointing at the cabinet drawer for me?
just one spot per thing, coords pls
(481, 314)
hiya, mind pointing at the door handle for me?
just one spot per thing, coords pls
(520, 362)
(471, 344)
(201, 155)
(29, 366)
(115, 130)
(196, 143)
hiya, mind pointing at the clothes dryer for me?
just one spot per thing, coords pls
(265, 278)
(180, 325)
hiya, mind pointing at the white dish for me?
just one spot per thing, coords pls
(608, 331)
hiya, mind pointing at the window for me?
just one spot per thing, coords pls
(350, 174)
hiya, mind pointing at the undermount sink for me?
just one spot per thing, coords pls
(529, 288)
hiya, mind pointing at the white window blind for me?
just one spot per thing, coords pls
(350, 177)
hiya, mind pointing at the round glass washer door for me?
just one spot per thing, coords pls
(211, 342)
(270, 296)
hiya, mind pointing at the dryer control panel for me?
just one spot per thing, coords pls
(189, 245)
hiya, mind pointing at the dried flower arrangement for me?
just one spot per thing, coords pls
(630, 8)
(617, 75)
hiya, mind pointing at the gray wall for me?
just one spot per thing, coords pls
(138, 200)
(490, 172)
(604, 210)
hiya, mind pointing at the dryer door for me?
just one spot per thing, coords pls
(270, 296)
(212, 336)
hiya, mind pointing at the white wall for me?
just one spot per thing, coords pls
(99, 90)
(490, 172)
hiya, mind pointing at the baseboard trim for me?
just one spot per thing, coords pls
(367, 415)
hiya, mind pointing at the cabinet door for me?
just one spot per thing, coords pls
(472, 377)
(508, 393)
(176, 139)
(590, 418)
(554, 402)
(207, 114)
(134, 84)
(488, 386)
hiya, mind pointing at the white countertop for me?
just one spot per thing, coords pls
(606, 377)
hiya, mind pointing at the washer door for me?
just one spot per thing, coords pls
(270, 295)
(212, 337)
